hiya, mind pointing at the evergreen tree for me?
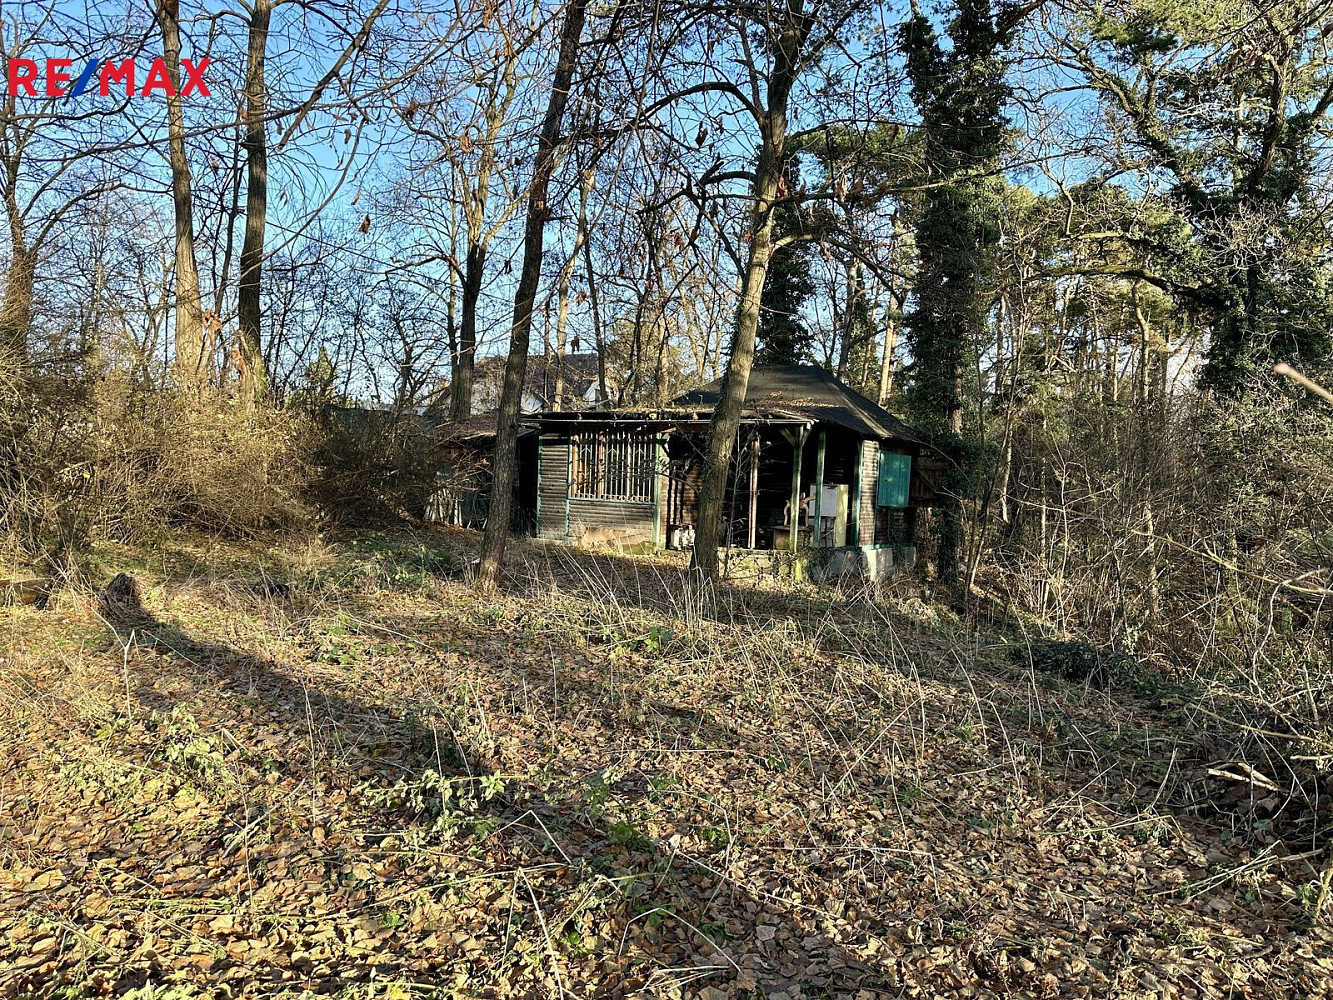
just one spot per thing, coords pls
(862, 356)
(960, 92)
(1228, 103)
(789, 284)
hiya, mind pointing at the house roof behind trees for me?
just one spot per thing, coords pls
(580, 372)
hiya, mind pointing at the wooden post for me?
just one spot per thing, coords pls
(798, 446)
(854, 503)
(818, 517)
(659, 494)
(752, 536)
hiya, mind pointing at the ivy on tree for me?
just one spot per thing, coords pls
(960, 92)
(789, 284)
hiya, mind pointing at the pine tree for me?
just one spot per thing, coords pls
(1228, 103)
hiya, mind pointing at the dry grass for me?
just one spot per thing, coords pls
(606, 781)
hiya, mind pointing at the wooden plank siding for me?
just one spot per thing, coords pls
(677, 481)
(927, 473)
(563, 517)
(584, 515)
(684, 480)
(553, 487)
(869, 475)
(882, 525)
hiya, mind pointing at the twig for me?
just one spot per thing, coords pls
(1250, 776)
(125, 671)
(1302, 380)
(1325, 881)
(546, 933)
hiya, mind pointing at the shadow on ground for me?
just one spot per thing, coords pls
(387, 805)
(536, 794)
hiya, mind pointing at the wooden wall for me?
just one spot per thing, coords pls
(623, 515)
(560, 516)
(884, 525)
(869, 483)
(552, 486)
(927, 471)
(683, 481)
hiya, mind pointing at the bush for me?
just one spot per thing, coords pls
(1083, 662)
(372, 466)
(107, 455)
(98, 458)
(219, 468)
(1202, 540)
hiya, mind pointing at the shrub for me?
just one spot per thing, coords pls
(102, 459)
(1083, 662)
(1201, 539)
(372, 466)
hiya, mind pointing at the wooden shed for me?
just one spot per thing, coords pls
(464, 452)
(823, 478)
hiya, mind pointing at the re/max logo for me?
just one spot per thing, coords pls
(25, 77)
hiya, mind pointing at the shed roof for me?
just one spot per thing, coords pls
(476, 431)
(478, 427)
(810, 391)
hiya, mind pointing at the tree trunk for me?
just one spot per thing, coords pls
(462, 383)
(633, 385)
(562, 326)
(191, 363)
(1150, 439)
(451, 325)
(248, 306)
(727, 417)
(476, 196)
(566, 279)
(229, 227)
(16, 306)
(890, 342)
(594, 309)
(15, 319)
(768, 181)
(847, 347)
(16, 310)
(505, 464)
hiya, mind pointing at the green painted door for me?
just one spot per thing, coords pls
(895, 479)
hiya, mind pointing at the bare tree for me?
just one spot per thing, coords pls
(463, 110)
(255, 115)
(505, 470)
(788, 27)
(250, 355)
(564, 279)
(192, 348)
(43, 178)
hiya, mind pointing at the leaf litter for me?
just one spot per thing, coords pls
(605, 781)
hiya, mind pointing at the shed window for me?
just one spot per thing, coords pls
(895, 479)
(613, 465)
